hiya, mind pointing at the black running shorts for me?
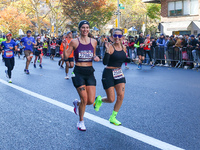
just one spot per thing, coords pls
(69, 59)
(83, 76)
(140, 52)
(108, 79)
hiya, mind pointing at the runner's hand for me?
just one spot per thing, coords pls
(96, 58)
(107, 45)
(65, 43)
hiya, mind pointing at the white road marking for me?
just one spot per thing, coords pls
(126, 131)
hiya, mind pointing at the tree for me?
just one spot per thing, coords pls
(11, 21)
(153, 11)
(97, 12)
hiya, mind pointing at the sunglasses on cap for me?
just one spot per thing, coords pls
(117, 35)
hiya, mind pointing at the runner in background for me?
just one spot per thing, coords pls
(2, 40)
(29, 42)
(125, 43)
(45, 48)
(139, 44)
(53, 45)
(38, 52)
(70, 61)
(147, 48)
(61, 61)
(9, 46)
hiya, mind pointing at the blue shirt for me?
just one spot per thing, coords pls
(8, 53)
(28, 43)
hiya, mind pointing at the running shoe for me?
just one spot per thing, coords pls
(6, 71)
(81, 126)
(139, 67)
(67, 77)
(34, 65)
(40, 65)
(61, 66)
(98, 102)
(38, 61)
(114, 121)
(152, 66)
(59, 63)
(75, 103)
(10, 80)
(27, 72)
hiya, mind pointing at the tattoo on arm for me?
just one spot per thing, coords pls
(82, 89)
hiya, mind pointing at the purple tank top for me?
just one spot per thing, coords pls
(84, 53)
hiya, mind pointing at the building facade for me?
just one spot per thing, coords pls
(179, 17)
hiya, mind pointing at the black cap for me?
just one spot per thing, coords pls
(82, 23)
(29, 31)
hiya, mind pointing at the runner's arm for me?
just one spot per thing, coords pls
(96, 58)
(67, 52)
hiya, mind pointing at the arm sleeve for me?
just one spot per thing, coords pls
(128, 60)
(106, 58)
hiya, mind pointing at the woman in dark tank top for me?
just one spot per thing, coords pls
(113, 78)
(83, 75)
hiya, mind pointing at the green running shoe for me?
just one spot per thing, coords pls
(114, 121)
(97, 103)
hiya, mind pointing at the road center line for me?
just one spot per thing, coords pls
(126, 131)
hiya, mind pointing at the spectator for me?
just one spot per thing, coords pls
(170, 48)
(196, 54)
(161, 44)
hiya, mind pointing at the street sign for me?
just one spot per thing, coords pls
(121, 7)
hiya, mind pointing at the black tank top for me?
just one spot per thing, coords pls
(117, 58)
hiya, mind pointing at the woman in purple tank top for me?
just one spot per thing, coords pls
(83, 75)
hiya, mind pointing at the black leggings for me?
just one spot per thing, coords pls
(9, 63)
(149, 54)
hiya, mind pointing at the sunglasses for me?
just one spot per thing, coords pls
(117, 35)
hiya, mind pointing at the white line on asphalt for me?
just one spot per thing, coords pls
(126, 131)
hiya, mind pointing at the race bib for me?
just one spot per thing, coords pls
(117, 73)
(85, 55)
(40, 48)
(9, 54)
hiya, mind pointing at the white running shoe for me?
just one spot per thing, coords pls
(67, 77)
(10, 80)
(75, 103)
(81, 126)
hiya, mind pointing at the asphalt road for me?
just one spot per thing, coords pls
(163, 103)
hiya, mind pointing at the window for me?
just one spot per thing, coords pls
(185, 7)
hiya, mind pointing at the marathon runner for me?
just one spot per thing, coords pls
(83, 77)
(61, 61)
(147, 49)
(139, 44)
(70, 61)
(29, 42)
(38, 52)
(113, 78)
(2, 40)
(45, 47)
(9, 46)
(53, 45)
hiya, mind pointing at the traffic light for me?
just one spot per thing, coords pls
(116, 23)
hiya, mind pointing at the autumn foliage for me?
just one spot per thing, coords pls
(97, 12)
(11, 21)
